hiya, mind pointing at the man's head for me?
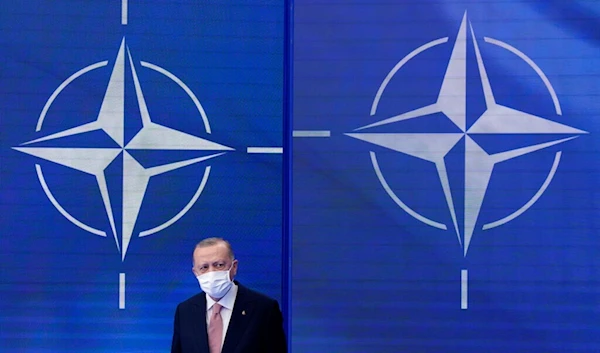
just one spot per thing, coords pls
(214, 254)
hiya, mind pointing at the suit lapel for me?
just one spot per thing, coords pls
(200, 333)
(239, 320)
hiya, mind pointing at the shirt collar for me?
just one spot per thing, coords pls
(227, 301)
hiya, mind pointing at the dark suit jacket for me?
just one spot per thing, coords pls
(256, 325)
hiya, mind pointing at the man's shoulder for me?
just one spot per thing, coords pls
(197, 299)
(249, 294)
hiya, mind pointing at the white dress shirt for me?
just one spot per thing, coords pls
(226, 303)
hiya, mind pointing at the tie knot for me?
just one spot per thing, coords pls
(216, 308)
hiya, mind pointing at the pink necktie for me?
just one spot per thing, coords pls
(215, 330)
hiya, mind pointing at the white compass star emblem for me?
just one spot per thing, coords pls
(479, 164)
(135, 177)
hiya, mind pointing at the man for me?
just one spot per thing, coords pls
(227, 317)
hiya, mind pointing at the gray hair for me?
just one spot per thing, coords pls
(215, 241)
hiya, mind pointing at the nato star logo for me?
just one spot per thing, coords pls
(451, 101)
(111, 121)
(135, 174)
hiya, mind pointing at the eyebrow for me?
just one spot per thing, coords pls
(213, 263)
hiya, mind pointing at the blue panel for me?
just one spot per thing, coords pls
(445, 176)
(127, 137)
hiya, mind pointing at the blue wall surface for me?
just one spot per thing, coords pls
(415, 176)
(167, 126)
(445, 167)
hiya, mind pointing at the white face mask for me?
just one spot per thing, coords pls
(215, 283)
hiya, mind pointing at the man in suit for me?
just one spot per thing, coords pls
(226, 317)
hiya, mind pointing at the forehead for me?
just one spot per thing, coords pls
(217, 252)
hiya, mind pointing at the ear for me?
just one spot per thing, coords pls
(234, 268)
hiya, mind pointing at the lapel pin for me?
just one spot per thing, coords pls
(243, 312)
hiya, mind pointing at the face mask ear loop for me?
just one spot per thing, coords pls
(231, 268)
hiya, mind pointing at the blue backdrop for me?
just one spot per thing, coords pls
(444, 167)
(130, 131)
(445, 171)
